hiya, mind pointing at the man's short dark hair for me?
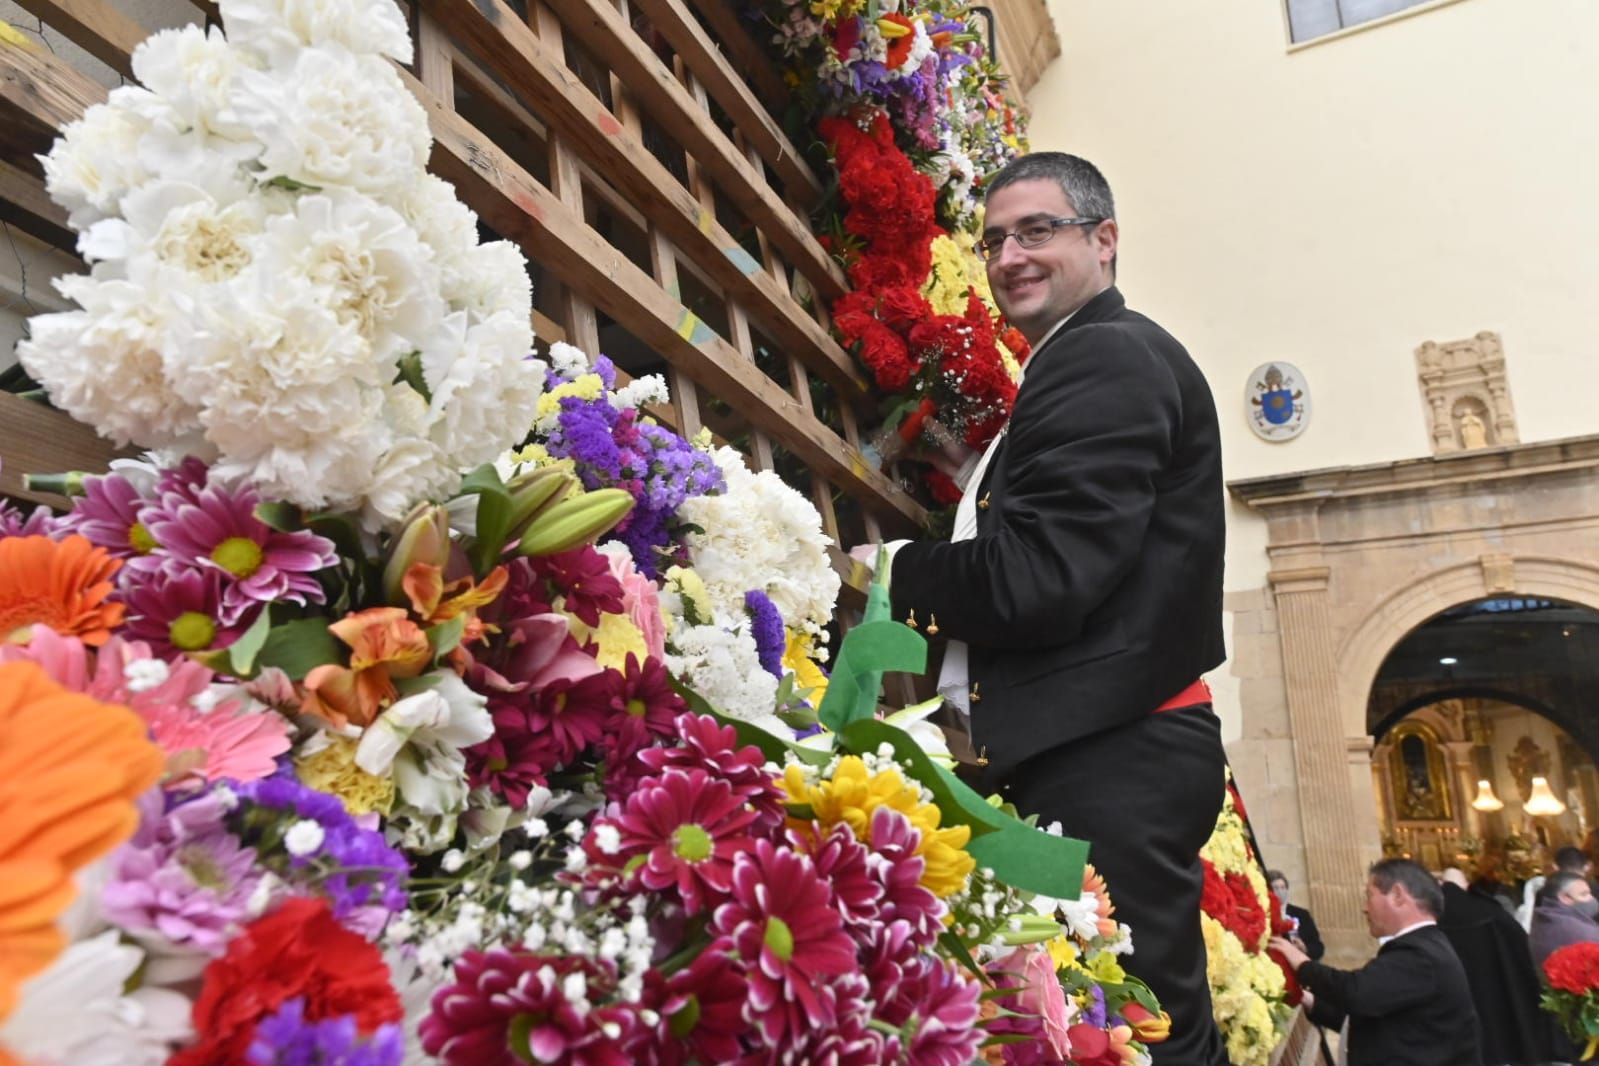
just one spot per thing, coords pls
(1085, 187)
(1421, 885)
(1273, 876)
(1570, 858)
(1557, 883)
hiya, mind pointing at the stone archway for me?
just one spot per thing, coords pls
(1359, 557)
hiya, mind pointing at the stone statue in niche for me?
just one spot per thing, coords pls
(1420, 777)
(1465, 394)
(1473, 434)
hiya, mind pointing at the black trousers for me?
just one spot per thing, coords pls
(1145, 796)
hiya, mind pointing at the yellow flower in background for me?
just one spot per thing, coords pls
(584, 387)
(1063, 953)
(691, 587)
(854, 793)
(951, 278)
(332, 769)
(1106, 969)
(616, 636)
(832, 10)
(807, 675)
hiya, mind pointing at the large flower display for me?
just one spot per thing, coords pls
(1252, 992)
(912, 112)
(484, 722)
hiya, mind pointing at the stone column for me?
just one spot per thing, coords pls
(1333, 858)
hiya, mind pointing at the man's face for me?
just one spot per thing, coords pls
(1577, 894)
(1279, 888)
(1382, 909)
(1037, 287)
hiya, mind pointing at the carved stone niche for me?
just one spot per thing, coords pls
(1465, 394)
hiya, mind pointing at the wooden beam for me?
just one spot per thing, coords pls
(97, 28)
(531, 67)
(736, 38)
(521, 209)
(673, 20)
(43, 89)
(25, 204)
(35, 439)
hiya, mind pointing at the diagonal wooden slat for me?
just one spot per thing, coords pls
(735, 36)
(102, 31)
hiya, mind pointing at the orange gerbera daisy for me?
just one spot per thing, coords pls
(61, 584)
(70, 769)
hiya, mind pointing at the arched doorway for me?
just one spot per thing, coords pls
(1502, 690)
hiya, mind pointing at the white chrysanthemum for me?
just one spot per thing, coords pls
(76, 1014)
(651, 388)
(721, 664)
(568, 360)
(334, 118)
(191, 71)
(761, 534)
(96, 160)
(176, 226)
(103, 365)
(441, 220)
(279, 28)
(485, 385)
(365, 263)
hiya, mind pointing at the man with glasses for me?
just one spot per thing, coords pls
(1081, 589)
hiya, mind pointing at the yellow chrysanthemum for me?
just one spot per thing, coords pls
(854, 793)
(1106, 969)
(689, 585)
(1063, 953)
(332, 769)
(807, 675)
(616, 636)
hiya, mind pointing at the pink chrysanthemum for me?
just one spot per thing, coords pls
(714, 748)
(897, 867)
(218, 530)
(515, 759)
(181, 612)
(583, 577)
(643, 712)
(701, 1010)
(845, 864)
(109, 514)
(790, 937)
(849, 1041)
(689, 827)
(508, 1009)
(938, 1008)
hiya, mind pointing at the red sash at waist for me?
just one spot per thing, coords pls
(1198, 692)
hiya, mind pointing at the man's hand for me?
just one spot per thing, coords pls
(1291, 954)
(1307, 999)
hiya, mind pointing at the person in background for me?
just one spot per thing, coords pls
(1411, 1004)
(1564, 914)
(1492, 947)
(1305, 933)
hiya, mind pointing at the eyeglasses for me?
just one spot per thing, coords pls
(1031, 235)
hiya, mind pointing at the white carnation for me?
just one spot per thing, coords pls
(279, 28)
(332, 118)
(176, 226)
(721, 663)
(489, 279)
(440, 219)
(191, 71)
(104, 366)
(485, 386)
(96, 160)
(761, 534)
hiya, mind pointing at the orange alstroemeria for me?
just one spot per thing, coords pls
(384, 644)
(433, 601)
(1093, 882)
(61, 584)
(70, 770)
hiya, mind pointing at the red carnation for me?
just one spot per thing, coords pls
(901, 307)
(1574, 968)
(299, 950)
(945, 492)
(885, 354)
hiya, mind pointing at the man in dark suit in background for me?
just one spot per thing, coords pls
(1305, 933)
(1411, 1004)
(1081, 592)
(1492, 947)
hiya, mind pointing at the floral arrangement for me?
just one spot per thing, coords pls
(278, 287)
(1572, 994)
(1250, 989)
(912, 113)
(526, 760)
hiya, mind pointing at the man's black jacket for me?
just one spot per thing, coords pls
(1092, 591)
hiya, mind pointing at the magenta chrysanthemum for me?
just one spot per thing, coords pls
(583, 578)
(688, 826)
(845, 864)
(897, 867)
(714, 748)
(937, 1007)
(110, 515)
(184, 881)
(181, 612)
(786, 930)
(218, 530)
(701, 1010)
(511, 1008)
(643, 712)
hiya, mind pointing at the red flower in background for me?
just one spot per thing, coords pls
(945, 492)
(299, 950)
(1574, 969)
(885, 354)
(1231, 900)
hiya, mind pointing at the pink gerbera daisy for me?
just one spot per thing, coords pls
(785, 928)
(218, 530)
(688, 826)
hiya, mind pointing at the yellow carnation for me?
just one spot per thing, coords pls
(807, 675)
(332, 769)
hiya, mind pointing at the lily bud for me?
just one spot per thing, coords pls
(534, 492)
(425, 538)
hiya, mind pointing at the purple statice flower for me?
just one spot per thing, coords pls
(1094, 1012)
(217, 530)
(109, 514)
(766, 626)
(184, 878)
(353, 866)
(182, 612)
(287, 1039)
(585, 432)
